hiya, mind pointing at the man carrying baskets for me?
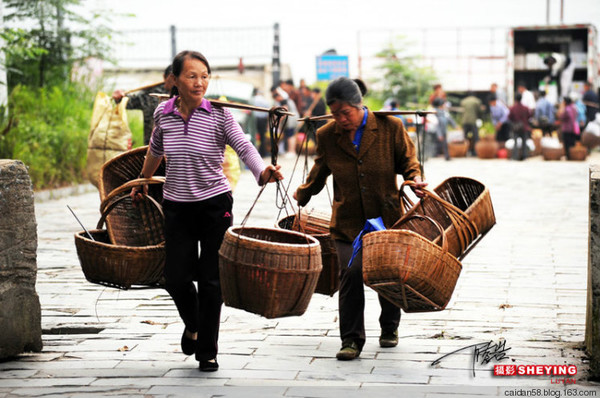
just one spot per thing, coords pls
(364, 153)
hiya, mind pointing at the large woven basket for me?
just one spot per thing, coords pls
(461, 205)
(409, 270)
(458, 149)
(578, 152)
(129, 225)
(268, 271)
(317, 225)
(119, 266)
(590, 140)
(552, 153)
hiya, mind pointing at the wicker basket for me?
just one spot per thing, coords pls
(458, 149)
(578, 152)
(127, 225)
(552, 153)
(117, 265)
(267, 271)
(462, 206)
(317, 225)
(409, 270)
(590, 140)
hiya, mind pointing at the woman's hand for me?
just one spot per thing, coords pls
(118, 95)
(137, 194)
(419, 186)
(270, 174)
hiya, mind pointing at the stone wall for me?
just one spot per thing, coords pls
(20, 313)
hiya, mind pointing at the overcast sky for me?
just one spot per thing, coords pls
(309, 27)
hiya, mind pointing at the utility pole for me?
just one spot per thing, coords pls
(276, 64)
(173, 41)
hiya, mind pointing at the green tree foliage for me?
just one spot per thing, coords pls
(47, 130)
(48, 117)
(402, 78)
(44, 38)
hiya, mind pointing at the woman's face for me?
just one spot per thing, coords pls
(193, 80)
(348, 117)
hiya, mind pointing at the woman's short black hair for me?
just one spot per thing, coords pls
(345, 90)
(182, 56)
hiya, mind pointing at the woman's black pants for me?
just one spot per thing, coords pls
(352, 299)
(187, 226)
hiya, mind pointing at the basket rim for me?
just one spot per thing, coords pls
(117, 158)
(277, 226)
(313, 241)
(81, 236)
(454, 178)
(411, 234)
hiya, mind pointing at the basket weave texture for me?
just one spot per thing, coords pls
(409, 270)
(129, 225)
(552, 153)
(458, 149)
(463, 208)
(317, 225)
(578, 152)
(268, 271)
(119, 266)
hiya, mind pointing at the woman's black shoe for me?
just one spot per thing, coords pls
(210, 365)
(188, 346)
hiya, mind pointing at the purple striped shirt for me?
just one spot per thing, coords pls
(195, 150)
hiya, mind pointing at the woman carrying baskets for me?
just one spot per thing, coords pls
(364, 153)
(192, 133)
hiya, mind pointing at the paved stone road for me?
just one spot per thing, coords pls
(524, 284)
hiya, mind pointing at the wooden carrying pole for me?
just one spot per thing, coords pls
(377, 113)
(143, 87)
(228, 104)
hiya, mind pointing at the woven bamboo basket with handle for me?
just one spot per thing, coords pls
(461, 205)
(119, 266)
(408, 269)
(139, 225)
(268, 271)
(128, 225)
(317, 225)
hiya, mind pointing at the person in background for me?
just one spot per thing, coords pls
(471, 106)
(146, 103)
(581, 112)
(527, 97)
(288, 143)
(192, 134)
(438, 92)
(364, 153)
(499, 115)
(288, 87)
(544, 114)
(499, 94)
(591, 101)
(261, 120)
(567, 115)
(444, 119)
(306, 98)
(519, 116)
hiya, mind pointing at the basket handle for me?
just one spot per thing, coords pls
(107, 208)
(444, 243)
(466, 230)
(128, 185)
(406, 203)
